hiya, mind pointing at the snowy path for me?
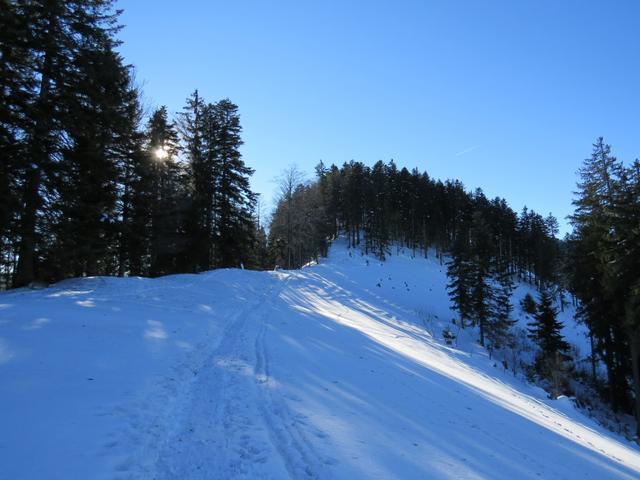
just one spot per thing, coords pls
(217, 434)
(233, 423)
(316, 374)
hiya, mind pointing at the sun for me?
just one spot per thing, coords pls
(161, 153)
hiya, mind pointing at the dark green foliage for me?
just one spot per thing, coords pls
(380, 206)
(528, 305)
(87, 177)
(221, 227)
(58, 70)
(233, 200)
(602, 267)
(501, 321)
(480, 284)
(159, 203)
(545, 329)
(459, 271)
(482, 294)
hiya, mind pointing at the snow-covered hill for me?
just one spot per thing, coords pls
(335, 371)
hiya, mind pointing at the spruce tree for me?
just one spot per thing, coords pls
(481, 291)
(621, 266)
(88, 179)
(131, 166)
(197, 136)
(459, 272)
(233, 199)
(501, 320)
(546, 331)
(602, 305)
(163, 177)
(528, 304)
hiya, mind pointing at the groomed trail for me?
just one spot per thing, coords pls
(330, 372)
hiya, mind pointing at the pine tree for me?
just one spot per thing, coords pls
(602, 305)
(459, 271)
(89, 178)
(220, 225)
(131, 166)
(481, 292)
(233, 201)
(378, 234)
(163, 178)
(546, 329)
(501, 321)
(621, 265)
(197, 137)
(529, 305)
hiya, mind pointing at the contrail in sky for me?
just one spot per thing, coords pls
(467, 150)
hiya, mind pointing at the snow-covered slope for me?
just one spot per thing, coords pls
(334, 371)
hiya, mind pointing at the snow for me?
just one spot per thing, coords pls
(338, 370)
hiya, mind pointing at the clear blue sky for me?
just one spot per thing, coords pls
(505, 95)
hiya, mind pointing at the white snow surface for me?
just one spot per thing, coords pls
(330, 372)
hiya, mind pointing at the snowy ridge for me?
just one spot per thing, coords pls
(327, 372)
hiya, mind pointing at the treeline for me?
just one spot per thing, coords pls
(85, 187)
(382, 206)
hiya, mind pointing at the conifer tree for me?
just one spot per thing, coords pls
(501, 320)
(546, 329)
(529, 305)
(481, 292)
(86, 180)
(621, 266)
(194, 132)
(234, 201)
(602, 306)
(163, 179)
(131, 166)
(459, 271)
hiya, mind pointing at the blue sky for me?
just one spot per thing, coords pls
(503, 95)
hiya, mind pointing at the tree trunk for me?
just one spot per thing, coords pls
(633, 334)
(25, 270)
(593, 358)
(634, 345)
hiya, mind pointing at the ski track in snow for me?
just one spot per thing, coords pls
(285, 429)
(233, 420)
(216, 438)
